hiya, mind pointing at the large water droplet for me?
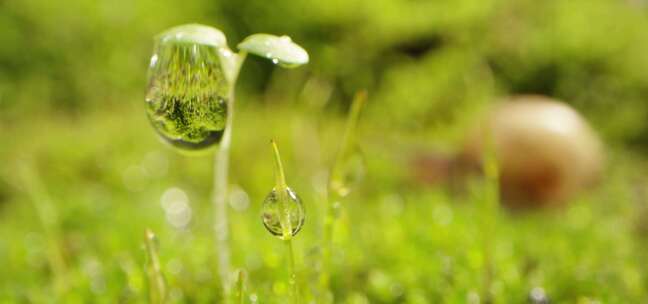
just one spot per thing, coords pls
(272, 216)
(187, 92)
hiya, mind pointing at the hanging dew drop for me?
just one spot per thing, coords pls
(293, 212)
(282, 211)
(188, 91)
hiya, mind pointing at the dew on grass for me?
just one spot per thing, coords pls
(294, 213)
(187, 95)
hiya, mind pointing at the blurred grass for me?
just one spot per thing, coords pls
(72, 79)
(396, 242)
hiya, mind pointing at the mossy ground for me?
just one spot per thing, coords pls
(396, 242)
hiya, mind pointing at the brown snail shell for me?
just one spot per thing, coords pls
(546, 151)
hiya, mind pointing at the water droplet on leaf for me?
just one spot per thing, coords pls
(293, 218)
(187, 93)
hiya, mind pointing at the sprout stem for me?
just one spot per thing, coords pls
(491, 208)
(48, 218)
(348, 139)
(292, 280)
(284, 216)
(281, 189)
(240, 294)
(279, 175)
(332, 199)
(219, 200)
(156, 283)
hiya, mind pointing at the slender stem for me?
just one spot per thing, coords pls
(348, 139)
(48, 218)
(327, 247)
(219, 199)
(284, 216)
(292, 280)
(281, 190)
(279, 175)
(240, 294)
(335, 184)
(491, 206)
(221, 229)
(156, 282)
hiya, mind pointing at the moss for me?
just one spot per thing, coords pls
(187, 96)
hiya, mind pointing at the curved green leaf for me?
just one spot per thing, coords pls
(281, 50)
(194, 33)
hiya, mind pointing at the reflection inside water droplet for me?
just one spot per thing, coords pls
(187, 94)
(294, 213)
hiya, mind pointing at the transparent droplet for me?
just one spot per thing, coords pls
(294, 213)
(186, 100)
(348, 174)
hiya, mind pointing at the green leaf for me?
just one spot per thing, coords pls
(194, 33)
(281, 50)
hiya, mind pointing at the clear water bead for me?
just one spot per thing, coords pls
(272, 215)
(187, 93)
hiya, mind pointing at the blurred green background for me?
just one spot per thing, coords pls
(83, 173)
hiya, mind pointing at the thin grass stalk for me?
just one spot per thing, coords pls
(239, 295)
(281, 189)
(332, 198)
(157, 290)
(48, 218)
(490, 213)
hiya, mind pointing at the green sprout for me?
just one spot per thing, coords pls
(344, 173)
(190, 101)
(490, 210)
(239, 294)
(283, 215)
(155, 279)
(47, 215)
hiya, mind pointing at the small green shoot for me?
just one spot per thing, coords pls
(490, 211)
(156, 284)
(190, 102)
(48, 217)
(339, 186)
(283, 216)
(239, 293)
